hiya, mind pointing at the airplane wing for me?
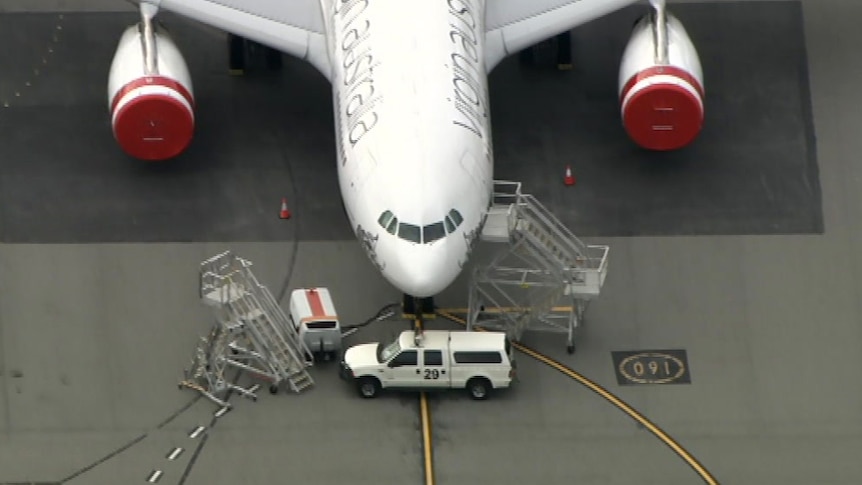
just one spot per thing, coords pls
(513, 25)
(291, 26)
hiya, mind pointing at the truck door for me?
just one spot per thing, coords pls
(434, 369)
(403, 370)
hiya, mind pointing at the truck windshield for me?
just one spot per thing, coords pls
(388, 351)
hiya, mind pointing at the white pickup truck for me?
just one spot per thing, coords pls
(440, 359)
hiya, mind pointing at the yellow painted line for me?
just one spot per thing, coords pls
(425, 417)
(426, 439)
(464, 311)
(619, 403)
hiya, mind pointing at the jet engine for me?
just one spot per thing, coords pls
(661, 84)
(150, 95)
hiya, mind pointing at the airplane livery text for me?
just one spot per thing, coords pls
(466, 66)
(358, 63)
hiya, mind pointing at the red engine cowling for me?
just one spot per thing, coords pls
(662, 104)
(152, 115)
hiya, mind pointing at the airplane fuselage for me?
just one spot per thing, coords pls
(414, 152)
(409, 84)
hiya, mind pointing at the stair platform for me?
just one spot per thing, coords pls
(252, 334)
(543, 267)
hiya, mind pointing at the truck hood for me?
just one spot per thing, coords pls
(362, 355)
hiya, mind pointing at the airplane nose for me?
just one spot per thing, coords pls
(425, 272)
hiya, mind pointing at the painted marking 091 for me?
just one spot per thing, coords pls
(651, 367)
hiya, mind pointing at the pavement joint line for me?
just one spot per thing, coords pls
(199, 448)
(105, 458)
(55, 39)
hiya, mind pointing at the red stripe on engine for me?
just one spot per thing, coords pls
(662, 71)
(152, 81)
(315, 303)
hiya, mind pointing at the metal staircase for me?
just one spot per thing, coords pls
(252, 334)
(544, 266)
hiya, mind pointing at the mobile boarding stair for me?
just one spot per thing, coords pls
(252, 334)
(546, 277)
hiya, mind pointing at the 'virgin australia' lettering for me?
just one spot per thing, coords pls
(359, 94)
(466, 67)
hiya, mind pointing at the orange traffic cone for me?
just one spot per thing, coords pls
(569, 179)
(284, 214)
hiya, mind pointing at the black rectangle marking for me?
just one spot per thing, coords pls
(651, 367)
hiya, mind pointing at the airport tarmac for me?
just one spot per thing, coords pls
(94, 337)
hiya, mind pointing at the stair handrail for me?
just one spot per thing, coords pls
(532, 208)
(508, 192)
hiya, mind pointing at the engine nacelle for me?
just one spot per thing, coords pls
(662, 104)
(152, 115)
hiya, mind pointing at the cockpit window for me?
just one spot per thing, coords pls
(385, 219)
(420, 235)
(393, 226)
(450, 226)
(410, 232)
(433, 232)
(388, 221)
(456, 217)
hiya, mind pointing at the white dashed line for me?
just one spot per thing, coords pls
(196, 432)
(175, 453)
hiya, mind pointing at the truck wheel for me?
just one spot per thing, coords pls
(368, 387)
(478, 388)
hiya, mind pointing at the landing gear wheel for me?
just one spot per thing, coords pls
(273, 389)
(570, 348)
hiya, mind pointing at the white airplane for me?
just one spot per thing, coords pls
(410, 95)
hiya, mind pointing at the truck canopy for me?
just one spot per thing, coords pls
(457, 340)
